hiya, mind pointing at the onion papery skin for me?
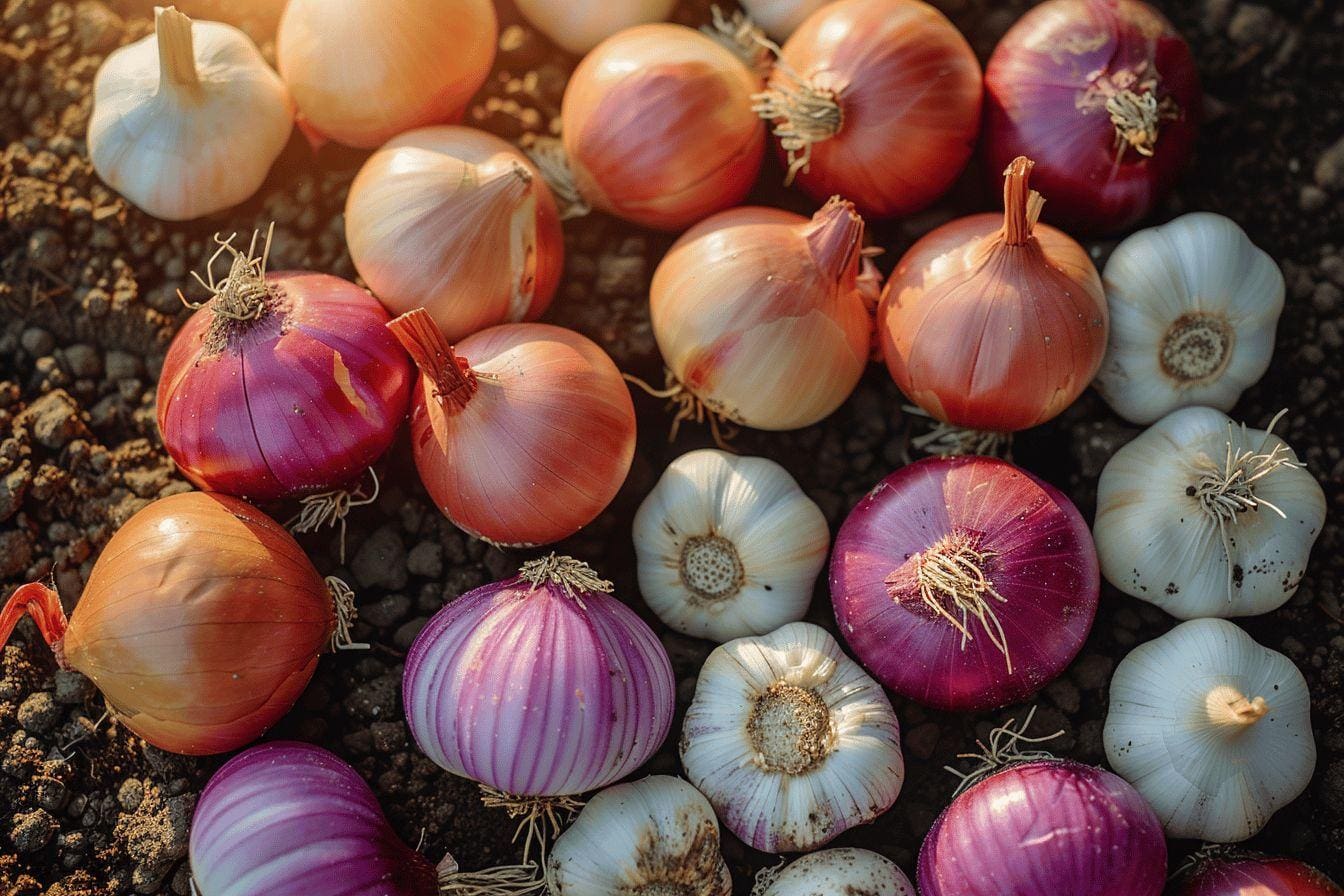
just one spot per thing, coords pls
(1039, 557)
(910, 91)
(758, 283)
(536, 692)
(201, 623)
(988, 334)
(538, 449)
(1041, 100)
(1048, 826)
(1256, 876)
(458, 221)
(302, 399)
(658, 128)
(291, 819)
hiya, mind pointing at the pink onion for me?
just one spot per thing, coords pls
(1241, 874)
(1045, 827)
(542, 685)
(964, 583)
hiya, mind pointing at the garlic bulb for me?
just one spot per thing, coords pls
(836, 871)
(728, 546)
(363, 71)
(187, 121)
(791, 741)
(579, 25)
(778, 18)
(1213, 729)
(458, 222)
(1193, 308)
(645, 838)
(1205, 518)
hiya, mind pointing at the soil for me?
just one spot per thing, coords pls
(88, 286)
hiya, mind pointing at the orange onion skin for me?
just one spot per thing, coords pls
(201, 623)
(991, 336)
(540, 443)
(658, 129)
(909, 89)
(759, 312)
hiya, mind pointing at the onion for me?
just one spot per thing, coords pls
(201, 623)
(457, 221)
(964, 583)
(363, 71)
(877, 100)
(844, 870)
(779, 18)
(281, 384)
(523, 434)
(1221, 872)
(1042, 826)
(759, 283)
(579, 25)
(658, 128)
(1105, 96)
(994, 323)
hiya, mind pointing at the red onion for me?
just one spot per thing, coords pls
(964, 583)
(542, 685)
(1104, 96)
(1240, 874)
(281, 384)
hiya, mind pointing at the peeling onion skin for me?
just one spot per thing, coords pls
(1256, 876)
(291, 819)
(1042, 70)
(1039, 556)
(1051, 826)
(300, 400)
(658, 128)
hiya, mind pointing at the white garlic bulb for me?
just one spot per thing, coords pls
(836, 871)
(1213, 729)
(655, 836)
(1205, 518)
(728, 546)
(187, 121)
(779, 18)
(1193, 308)
(579, 25)
(791, 741)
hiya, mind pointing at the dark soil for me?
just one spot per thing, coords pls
(88, 290)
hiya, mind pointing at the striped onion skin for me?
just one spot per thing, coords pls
(1252, 875)
(291, 819)
(538, 692)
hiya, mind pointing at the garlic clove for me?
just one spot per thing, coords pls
(1212, 728)
(728, 546)
(843, 870)
(187, 121)
(579, 25)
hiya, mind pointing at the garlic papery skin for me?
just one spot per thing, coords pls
(778, 18)
(843, 870)
(1206, 518)
(456, 221)
(790, 740)
(654, 837)
(363, 71)
(1213, 729)
(1193, 305)
(577, 26)
(728, 546)
(187, 121)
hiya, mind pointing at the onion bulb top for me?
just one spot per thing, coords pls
(994, 323)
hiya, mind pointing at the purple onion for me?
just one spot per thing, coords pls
(291, 819)
(1045, 827)
(964, 583)
(541, 685)
(1231, 874)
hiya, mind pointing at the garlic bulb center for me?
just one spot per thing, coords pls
(790, 729)
(1230, 708)
(1197, 347)
(711, 568)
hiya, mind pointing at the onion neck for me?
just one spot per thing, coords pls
(177, 59)
(43, 604)
(452, 377)
(835, 239)
(1232, 711)
(1021, 204)
(574, 577)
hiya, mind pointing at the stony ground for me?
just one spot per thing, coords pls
(88, 286)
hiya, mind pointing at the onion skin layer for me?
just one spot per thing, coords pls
(1045, 827)
(1256, 876)
(1041, 101)
(291, 819)
(1039, 556)
(658, 127)
(302, 399)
